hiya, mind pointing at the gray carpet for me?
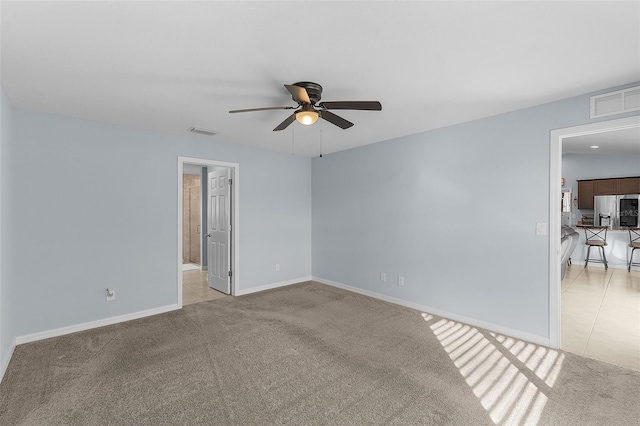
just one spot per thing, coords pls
(307, 354)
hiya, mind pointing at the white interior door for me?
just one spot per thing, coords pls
(218, 223)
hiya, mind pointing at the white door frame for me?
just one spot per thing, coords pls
(235, 208)
(555, 193)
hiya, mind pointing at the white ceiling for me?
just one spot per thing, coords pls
(169, 66)
(617, 142)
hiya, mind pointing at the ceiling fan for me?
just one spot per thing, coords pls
(309, 109)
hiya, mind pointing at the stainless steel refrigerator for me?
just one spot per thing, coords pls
(616, 211)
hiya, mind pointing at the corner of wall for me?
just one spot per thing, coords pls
(7, 331)
(5, 360)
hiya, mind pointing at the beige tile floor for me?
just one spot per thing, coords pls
(601, 314)
(195, 288)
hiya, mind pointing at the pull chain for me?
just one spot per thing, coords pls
(321, 139)
(292, 138)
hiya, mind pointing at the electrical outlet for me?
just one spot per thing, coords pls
(277, 267)
(111, 294)
(400, 280)
(383, 277)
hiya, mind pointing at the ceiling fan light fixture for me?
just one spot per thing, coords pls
(307, 95)
(307, 116)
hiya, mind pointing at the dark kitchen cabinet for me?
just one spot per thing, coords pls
(628, 186)
(585, 194)
(587, 189)
(605, 186)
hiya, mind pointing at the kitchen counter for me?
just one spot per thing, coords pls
(617, 249)
(625, 230)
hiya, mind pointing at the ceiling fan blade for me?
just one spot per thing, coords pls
(355, 105)
(299, 94)
(259, 109)
(335, 119)
(287, 121)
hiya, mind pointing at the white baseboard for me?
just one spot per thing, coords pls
(5, 362)
(471, 321)
(242, 292)
(136, 315)
(93, 324)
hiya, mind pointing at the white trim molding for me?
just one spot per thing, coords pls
(93, 324)
(555, 193)
(272, 286)
(444, 314)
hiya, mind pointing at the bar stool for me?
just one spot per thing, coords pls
(596, 237)
(634, 243)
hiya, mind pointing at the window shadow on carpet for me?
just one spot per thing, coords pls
(510, 378)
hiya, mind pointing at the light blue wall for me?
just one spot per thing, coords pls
(453, 210)
(100, 211)
(7, 281)
(590, 166)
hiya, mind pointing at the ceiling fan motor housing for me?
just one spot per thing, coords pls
(314, 90)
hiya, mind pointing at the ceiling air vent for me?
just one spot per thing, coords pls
(203, 132)
(615, 102)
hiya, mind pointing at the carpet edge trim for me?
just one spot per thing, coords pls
(518, 334)
(27, 338)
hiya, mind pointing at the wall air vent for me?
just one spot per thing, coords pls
(203, 132)
(616, 102)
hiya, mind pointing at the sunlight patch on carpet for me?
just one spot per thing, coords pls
(508, 376)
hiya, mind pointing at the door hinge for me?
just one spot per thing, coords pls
(230, 273)
(230, 181)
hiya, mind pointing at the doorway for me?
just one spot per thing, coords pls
(205, 166)
(191, 218)
(555, 205)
